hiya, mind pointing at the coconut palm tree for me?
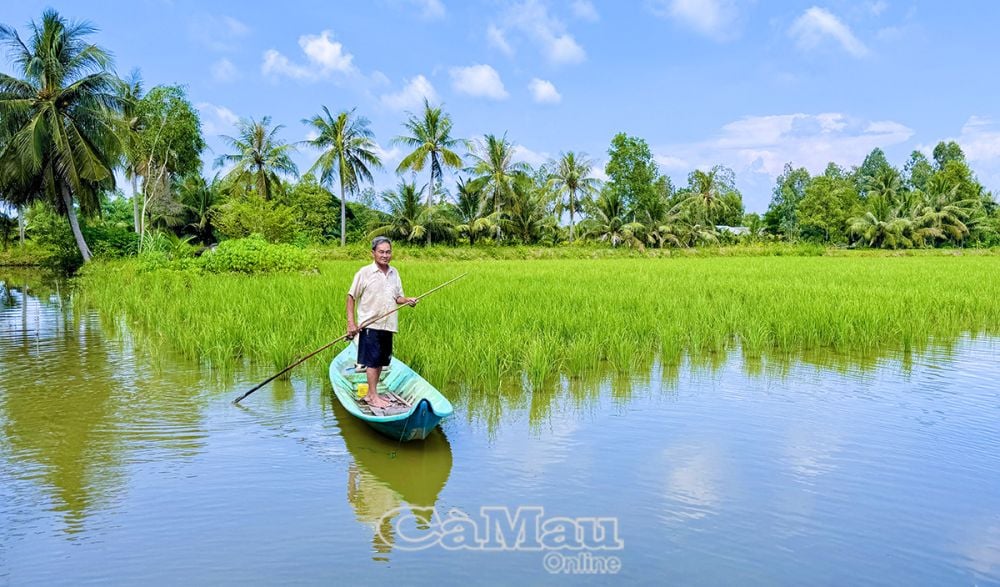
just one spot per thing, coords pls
(405, 214)
(348, 150)
(130, 93)
(943, 214)
(887, 184)
(495, 171)
(881, 225)
(410, 219)
(880, 232)
(468, 210)
(199, 199)
(666, 228)
(432, 144)
(529, 216)
(707, 190)
(430, 138)
(608, 222)
(59, 119)
(572, 175)
(260, 158)
(694, 233)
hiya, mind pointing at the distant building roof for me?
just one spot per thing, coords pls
(737, 230)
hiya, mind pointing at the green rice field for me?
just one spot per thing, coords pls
(535, 319)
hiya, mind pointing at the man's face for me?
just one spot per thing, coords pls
(382, 253)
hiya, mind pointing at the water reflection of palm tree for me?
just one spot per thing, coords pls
(70, 427)
(386, 475)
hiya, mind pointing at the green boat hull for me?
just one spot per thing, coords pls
(427, 406)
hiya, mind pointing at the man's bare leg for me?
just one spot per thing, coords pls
(373, 399)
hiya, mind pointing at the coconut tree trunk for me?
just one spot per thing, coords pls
(262, 185)
(497, 196)
(572, 193)
(20, 223)
(75, 225)
(430, 198)
(343, 216)
(135, 204)
(142, 212)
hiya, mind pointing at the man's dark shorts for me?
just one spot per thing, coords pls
(374, 347)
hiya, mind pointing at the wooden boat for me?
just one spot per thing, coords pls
(416, 406)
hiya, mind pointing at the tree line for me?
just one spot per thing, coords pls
(68, 124)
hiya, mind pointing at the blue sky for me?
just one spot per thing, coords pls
(748, 84)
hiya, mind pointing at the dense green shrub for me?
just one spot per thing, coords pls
(255, 255)
(240, 218)
(111, 241)
(30, 254)
(51, 232)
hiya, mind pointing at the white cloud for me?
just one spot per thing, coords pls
(218, 33)
(878, 7)
(496, 39)
(324, 57)
(429, 9)
(328, 54)
(216, 120)
(716, 19)
(234, 27)
(757, 147)
(531, 18)
(277, 64)
(391, 155)
(584, 9)
(598, 172)
(669, 162)
(411, 97)
(980, 140)
(564, 49)
(887, 127)
(526, 155)
(544, 92)
(478, 80)
(817, 25)
(379, 79)
(224, 71)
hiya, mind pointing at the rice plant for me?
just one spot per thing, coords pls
(541, 318)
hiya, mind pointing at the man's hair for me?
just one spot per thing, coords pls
(379, 240)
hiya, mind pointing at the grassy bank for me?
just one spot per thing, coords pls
(591, 250)
(543, 317)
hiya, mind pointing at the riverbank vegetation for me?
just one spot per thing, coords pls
(67, 128)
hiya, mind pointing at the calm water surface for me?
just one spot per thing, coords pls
(120, 465)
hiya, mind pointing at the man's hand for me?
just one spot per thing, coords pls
(352, 330)
(410, 301)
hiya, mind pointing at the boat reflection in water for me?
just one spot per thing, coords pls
(388, 477)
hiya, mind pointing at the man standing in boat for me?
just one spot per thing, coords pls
(376, 290)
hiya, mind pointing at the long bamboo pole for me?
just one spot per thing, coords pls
(342, 338)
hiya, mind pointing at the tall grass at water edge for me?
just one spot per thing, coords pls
(540, 318)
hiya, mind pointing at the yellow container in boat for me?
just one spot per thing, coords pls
(362, 390)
